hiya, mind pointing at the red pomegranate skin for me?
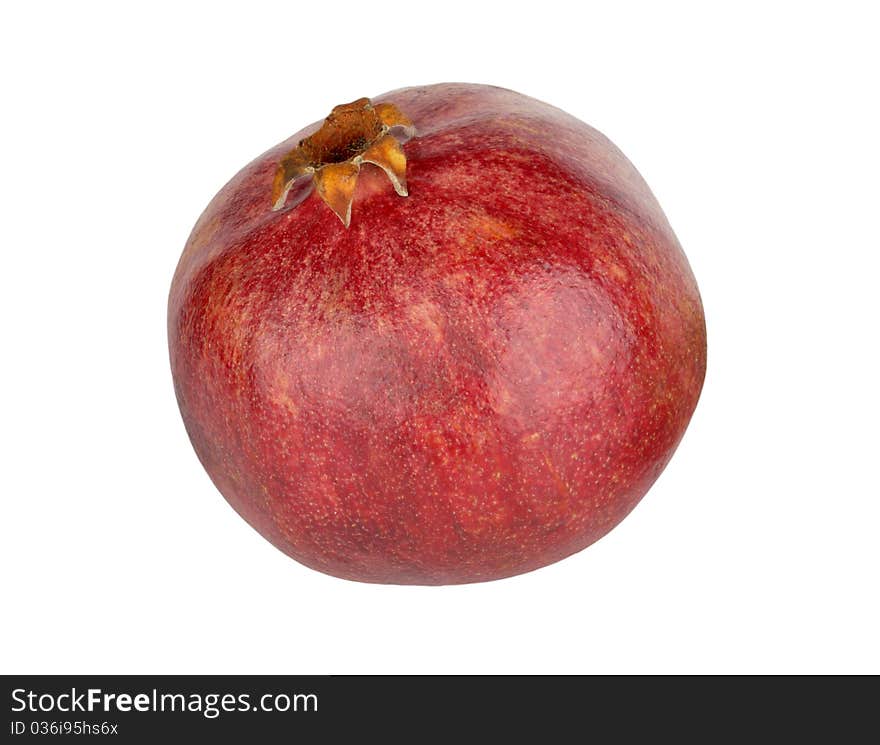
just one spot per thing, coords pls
(470, 382)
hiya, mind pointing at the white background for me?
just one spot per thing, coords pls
(756, 127)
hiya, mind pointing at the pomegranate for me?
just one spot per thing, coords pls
(445, 336)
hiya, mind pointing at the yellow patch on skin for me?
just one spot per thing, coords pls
(502, 400)
(202, 235)
(470, 280)
(280, 393)
(485, 228)
(492, 228)
(428, 316)
(617, 272)
(231, 323)
(435, 439)
(523, 125)
(596, 353)
(561, 486)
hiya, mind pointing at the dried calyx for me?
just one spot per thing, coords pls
(353, 134)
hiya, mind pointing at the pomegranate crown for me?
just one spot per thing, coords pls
(353, 134)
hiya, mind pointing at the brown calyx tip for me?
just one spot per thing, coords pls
(353, 134)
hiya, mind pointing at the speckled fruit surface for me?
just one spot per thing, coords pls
(468, 382)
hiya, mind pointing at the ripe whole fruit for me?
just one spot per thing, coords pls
(446, 336)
